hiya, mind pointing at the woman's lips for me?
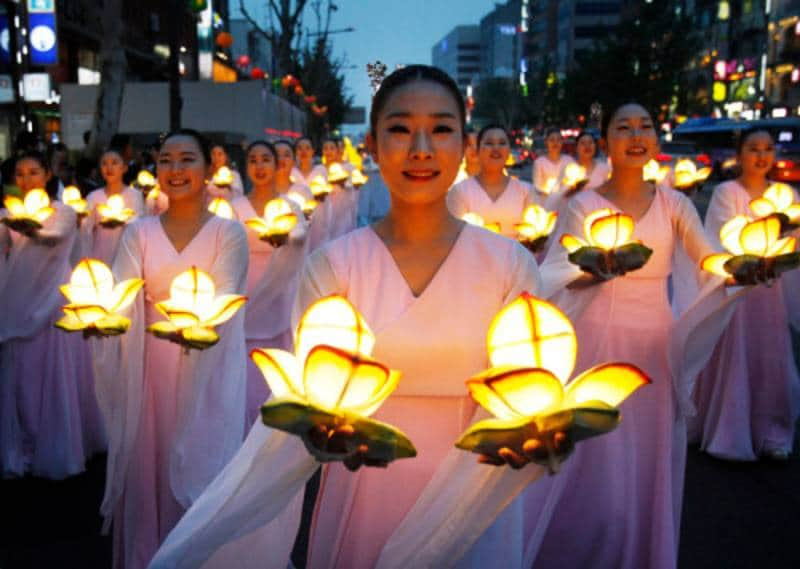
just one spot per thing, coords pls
(420, 175)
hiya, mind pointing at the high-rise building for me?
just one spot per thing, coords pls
(459, 55)
(500, 35)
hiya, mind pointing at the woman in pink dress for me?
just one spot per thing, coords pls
(548, 168)
(617, 502)
(305, 170)
(219, 158)
(283, 171)
(748, 398)
(101, 241)
(272, 274)
(49, 420)
(597, 172)
(174, 415)
(428, 285)
(495, 196)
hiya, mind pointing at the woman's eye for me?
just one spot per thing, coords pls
(442, 128)
(398, 129)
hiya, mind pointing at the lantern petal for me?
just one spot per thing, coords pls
(793, 213)
(550, 224)
(224, 307)
(762, 207)
(589, 220)
(758, 237)
(703, 174)
(162, 328)
(15, 206)
(388, 387)
(333, 321)
(783, 246)
(258, 225)
(513, 393)
(180, 318)
(609, 383)
(66, 290)
(43, 213)
(113, 324)
(70, 323)
(781, 195)
(572, 243)
(730, 232)
(281, 370)
(87, 314)
(611, 231)
(716, 264)
(531, 332)
(123, 294)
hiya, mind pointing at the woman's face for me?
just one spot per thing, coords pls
(30, 174)
(586, 148)
(757, 154)
(219, 157)
(494, 149)
(553, 142)
(631, 138)
(182, 168)
(112, 168)
(330, 152)
(260, 165)
(285, 158)
(304, 151)
(418, 142)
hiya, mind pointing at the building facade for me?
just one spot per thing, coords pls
(459, 55)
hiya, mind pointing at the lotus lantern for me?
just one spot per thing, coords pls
(358, 179)
(95, 301)
(655, 172)
(574, 178)
(28, 214)
(538, 412)
(778, 199)
(223, 177)
(276, 224)
(327, 389)
(607, 249)
(308, 205)
(688, 176)
(337, 174)
(145, 181)
(73, 198)
(320, 188)
(756, 251)
(549, 187)
(113, 213)
(221, 208)
(537, 225)
(193, 310)
(477, 220)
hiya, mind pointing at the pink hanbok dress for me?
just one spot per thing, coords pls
(557, 201)
(235, 190)
(617, 501)
(50, 423)
(439, 509)
(100, 242)
(317, 170)
(175, 418)
(334, 217)
(272, 278)
(547, 175)
(470, 197)
(748, 398)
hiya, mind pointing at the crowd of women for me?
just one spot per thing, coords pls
(194, 479)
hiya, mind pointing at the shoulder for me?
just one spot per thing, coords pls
(521, 185)
(729, 188)
(566, 159)
(229, 229)
(96, 196)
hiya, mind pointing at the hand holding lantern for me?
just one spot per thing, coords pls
(27, 215)
(113, 213)
(73, 198)
(532, 348)
(327, 389)
(193, 310)
(94, 300)
(474, 219)
(778, 200)
(221, 208)
(608, 250)
(757, 253)
(654, 172)
(688, 177)
(277, 223)
(537, 225)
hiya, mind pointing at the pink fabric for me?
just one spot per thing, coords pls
(748, 397)
(470, 197)
(544, 170)
(100, 242)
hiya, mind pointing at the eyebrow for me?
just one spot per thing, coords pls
(406, 114)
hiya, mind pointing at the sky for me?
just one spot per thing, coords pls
(392, 31)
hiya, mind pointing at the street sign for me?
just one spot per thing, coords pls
(42, 32)
(36, 86)
(41, 6)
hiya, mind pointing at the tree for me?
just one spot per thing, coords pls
(282, 37)
(498, 100)
(113, 66)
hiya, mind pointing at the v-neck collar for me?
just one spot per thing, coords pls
(439, 270)
(207, 223)
(500, 196)
(615, 207)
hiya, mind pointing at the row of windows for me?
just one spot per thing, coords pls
(462, 70)
(597, 8)
(467, 46)
(469, 58)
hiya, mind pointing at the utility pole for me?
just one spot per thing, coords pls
(175, 101)
(15, 12)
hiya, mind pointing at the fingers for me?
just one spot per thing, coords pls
(513, 459)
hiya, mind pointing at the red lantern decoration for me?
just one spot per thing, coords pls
(310, 99)
(287, 81)
(224, 40)
(257, 73)
(298, 90)
(242, 61)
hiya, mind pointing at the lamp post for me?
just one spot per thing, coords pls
(174, 37)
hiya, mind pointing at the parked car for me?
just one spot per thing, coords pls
(671, 152)
(787, 164)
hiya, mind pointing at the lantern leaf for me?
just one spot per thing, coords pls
(70, 323)
(199, 337)
(113, 324)
(632, 256)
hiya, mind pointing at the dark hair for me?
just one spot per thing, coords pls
(301, 139)
(489, 127)
(583, 133)
(25, 141)
(410, 74)
(34, 155)
(120, 141)
(201, 141)
(111, 149)
(552, 130)
(266, 145)
(334, 139)
(606, 120)
(747, 133)
(286, 142)
(54, 147)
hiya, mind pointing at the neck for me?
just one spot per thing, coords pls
(419, 224)
(626, 181)
(306, 166)
(491, 177)
(753, 181)
(186, 211)
(114, 187)
(586, 162)
(264, 192)
(554, 156)
(282, 182)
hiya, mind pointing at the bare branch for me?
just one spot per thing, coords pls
(269, 36)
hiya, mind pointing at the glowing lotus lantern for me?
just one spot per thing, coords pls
(327, 389)
(538, 413)
(223, 178)
(221, 208)
(574, 178)
(145, 181)
(113, 213)
(73, 198)
(475, 219)
(27, 215)
(778, 200)
(756, 251)
(306, 204)
(193, 310)
(337, 174)
(95, 301)
(537, 225)
(608, 249)
(358, 179)
(276, 224)
(655, 172)
(320, 188)
(688, 176)
(549, 186)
